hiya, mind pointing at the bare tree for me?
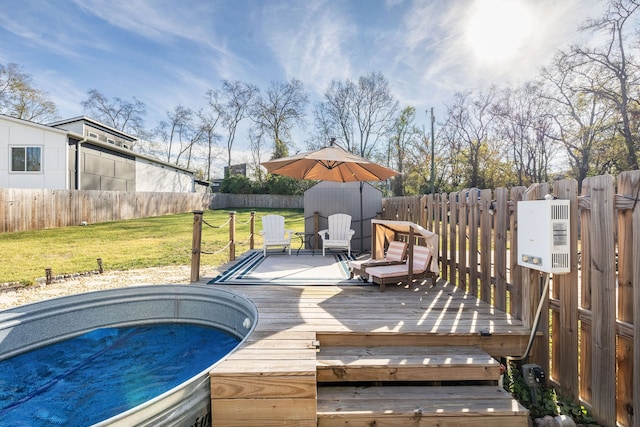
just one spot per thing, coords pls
(358, 114)
(257, 143)
(126, 116)
(173, 130)
(468, 127)
(18, 97)
(403, 136)
(583, 119)
(614, 71)
(276, 113)
(235, 99)
(523, 120)
(333, 116)
(209, 121)
(373, 107)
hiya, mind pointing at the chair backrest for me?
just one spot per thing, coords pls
(396, 251)
(273, 226)
(339, 226)
(421, 258)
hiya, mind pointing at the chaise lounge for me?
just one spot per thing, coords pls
(396, 253)
(400, 273)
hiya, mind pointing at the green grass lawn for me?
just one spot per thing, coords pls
(129, 244)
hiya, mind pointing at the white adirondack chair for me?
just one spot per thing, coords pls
(339, 233)
(274, 234)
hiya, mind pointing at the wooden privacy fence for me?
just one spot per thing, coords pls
(36, 209)
(590, 323)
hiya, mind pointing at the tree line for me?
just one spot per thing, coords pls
(579, 117)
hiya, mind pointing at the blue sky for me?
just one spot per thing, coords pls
(169, 52)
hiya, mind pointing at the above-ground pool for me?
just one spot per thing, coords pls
(99, 323)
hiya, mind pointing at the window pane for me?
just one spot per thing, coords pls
(33, 159)
(17, 159)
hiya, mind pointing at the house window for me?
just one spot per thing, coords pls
(26, 159)
(111, 141)
(93, 135)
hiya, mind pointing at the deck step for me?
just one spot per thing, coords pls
(405, 363)
(446, 406)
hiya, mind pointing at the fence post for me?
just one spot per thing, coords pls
(232, 236)
(195, 246)
(252, 228)
(603, 299)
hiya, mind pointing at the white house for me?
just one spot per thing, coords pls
(81, 154)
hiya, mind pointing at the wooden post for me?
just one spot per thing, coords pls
(603, 299)
(232, 236)
(473, 225)
(516, 194)
(443, 250)
(100, 266)
(453, 238)
(252, 229)
(485, 220)
(501, 213)
(195, 246)
(564, 321)
(48, 276)
(628, 187)
(635, 219)
(410, 257)
(463, 256)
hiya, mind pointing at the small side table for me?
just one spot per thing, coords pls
(305, 238)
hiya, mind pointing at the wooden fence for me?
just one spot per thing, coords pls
(35, 209)
(590, 320)
(256, 201)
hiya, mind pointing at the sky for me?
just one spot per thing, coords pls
(170, 52)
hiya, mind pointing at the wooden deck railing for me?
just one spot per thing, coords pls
(196, 242)
(591, 320)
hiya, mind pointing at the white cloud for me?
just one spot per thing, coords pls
(310, 42)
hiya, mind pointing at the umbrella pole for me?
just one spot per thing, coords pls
(361, 221)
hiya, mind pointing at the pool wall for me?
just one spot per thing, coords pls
(34, 325)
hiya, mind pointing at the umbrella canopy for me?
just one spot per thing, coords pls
(331, 163)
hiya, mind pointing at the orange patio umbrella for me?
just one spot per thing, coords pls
(332, 163)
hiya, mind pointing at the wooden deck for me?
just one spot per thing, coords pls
(318, 351)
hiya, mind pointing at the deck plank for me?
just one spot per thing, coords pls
(271, 378)
(418, 406)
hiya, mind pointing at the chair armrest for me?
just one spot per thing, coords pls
(325, 232)
(376, 263)
(289, 233)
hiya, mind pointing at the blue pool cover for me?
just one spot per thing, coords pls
(105, 372)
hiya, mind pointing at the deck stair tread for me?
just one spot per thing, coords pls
(405, 363)
(415, 405)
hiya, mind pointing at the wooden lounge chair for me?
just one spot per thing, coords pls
(274, 233)
(339, 233)
(400, 272)
(396, 253)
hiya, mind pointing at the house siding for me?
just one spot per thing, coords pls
(161, 178)
(72, 161)
(54, 151)
(105, 170)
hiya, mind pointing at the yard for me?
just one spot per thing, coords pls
(128, 244)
